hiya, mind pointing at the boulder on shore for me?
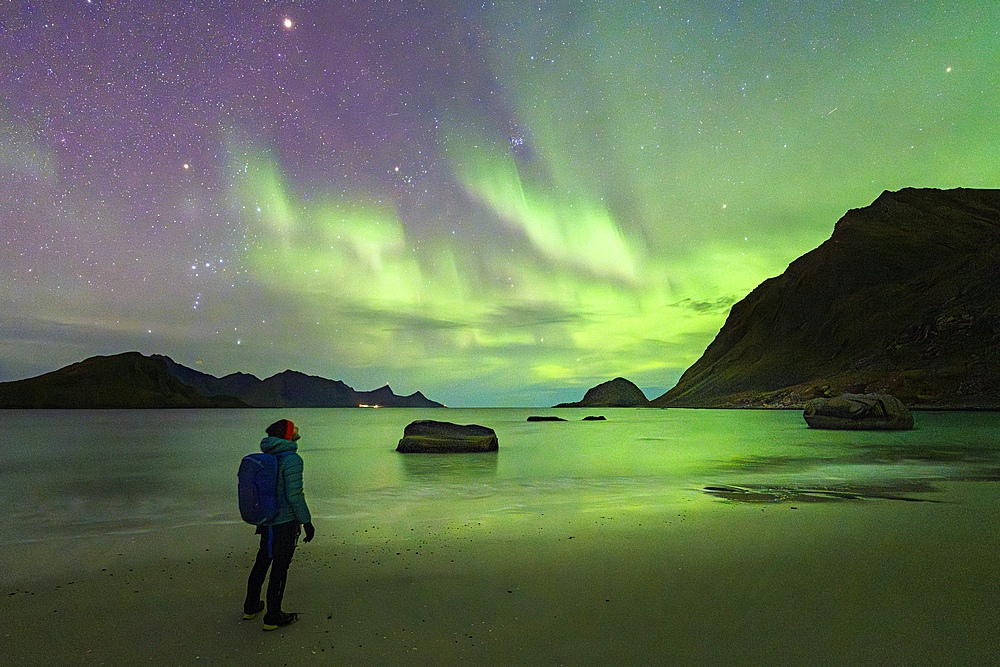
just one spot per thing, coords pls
(858, 412)
(436, 437)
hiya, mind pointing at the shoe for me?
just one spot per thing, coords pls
(247, 615)
(279, 621)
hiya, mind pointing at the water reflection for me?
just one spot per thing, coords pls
(855, 472)
(928, 452)
(954, 462)
(465, 467)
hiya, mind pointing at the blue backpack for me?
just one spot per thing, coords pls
(258, 487)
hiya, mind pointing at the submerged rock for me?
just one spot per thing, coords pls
(858, 412)
(429, 436)
(755, 493)
(545, 418)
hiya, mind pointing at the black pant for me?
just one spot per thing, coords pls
(277, 544)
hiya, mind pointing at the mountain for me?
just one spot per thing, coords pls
(132, 380)
(617, 393)
(904, 299)
(293, 389)
(233, 384)
(128, 380)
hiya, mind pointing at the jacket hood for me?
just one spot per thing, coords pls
(272, 445)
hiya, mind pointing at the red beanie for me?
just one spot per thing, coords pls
(283, 428)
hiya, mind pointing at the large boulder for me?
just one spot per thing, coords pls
(429, 436)
(859, 412)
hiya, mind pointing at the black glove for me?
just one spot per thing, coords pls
(310, 531)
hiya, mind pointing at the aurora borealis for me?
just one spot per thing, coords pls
(497, 204)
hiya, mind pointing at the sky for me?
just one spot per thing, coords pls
(496, 204)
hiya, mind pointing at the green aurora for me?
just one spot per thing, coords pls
(559, 194)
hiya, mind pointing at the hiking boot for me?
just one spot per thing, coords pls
(279, 620)
(251, 612)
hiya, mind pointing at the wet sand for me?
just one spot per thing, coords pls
(702, 581)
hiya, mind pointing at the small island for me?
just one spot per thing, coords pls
(617, 393)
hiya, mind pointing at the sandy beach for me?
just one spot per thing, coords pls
(698, 582)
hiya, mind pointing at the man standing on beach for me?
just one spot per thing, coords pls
(278, 536)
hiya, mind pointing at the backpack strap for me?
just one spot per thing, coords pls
(278, 457)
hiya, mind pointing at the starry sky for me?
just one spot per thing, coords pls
(497, 204)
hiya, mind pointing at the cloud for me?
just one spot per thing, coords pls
(532, 314)
(706, 307)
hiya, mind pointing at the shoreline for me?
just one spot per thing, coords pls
(697, 582)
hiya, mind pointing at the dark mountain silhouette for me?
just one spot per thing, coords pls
(617, 393)
(132, 380)
(128, 380)
(290, 389)
(904, 299)
(233, 384)
(295, 389)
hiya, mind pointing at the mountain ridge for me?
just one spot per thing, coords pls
(133, 380)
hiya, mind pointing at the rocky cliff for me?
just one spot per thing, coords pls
(904, 299)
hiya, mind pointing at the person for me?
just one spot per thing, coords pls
(278, 536)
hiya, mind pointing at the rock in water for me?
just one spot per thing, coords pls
(429, 436)
(859, 412)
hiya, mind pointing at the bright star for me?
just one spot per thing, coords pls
(288, 23)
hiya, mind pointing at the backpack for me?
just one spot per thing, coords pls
(258, 487)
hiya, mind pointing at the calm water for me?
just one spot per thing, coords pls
(655, 537)
(70, 474)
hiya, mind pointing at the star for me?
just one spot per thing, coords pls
(414, 176)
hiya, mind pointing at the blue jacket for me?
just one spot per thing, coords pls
(291, 499)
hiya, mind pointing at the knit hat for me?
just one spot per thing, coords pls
(283, 428)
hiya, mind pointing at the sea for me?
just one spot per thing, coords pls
(79, 474)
